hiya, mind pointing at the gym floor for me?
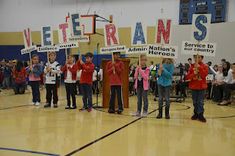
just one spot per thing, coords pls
(29, 130)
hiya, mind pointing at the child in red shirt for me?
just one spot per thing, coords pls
(19, 75)
(86, 81)
(114, 70)
(197, 83)
(70, 76)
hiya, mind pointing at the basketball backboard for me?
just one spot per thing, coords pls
(89, 24)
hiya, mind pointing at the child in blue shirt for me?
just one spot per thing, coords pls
(165, 74)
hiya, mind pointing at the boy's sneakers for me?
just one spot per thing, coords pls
(111, 111)
(119, 112)
(159, 116)
(138, 114)
(82, 109)
(194, 117)
(47, 105)
(67, 107)
(55, 105)
(145, 114)
(201, 118)
(37, 103)
(89, 109)
(73, 107)
(167, 116)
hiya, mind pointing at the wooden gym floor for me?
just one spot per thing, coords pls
(28, 130)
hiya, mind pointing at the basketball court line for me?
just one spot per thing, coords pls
(15, 107)
(28, 151)
(107, 135)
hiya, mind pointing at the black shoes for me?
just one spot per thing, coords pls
(159, 116)
(201, 118)
(47, 105)
(194, 117)
(111, 111)
(167, 114)
(198, 117)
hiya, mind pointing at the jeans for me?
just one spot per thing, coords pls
(6, 82)
(227, 91)
(51, 89)
(86, 95)
(70, 92)
(198, 101)
(35, 91)
(164, 92)
(217, 93)
(116, 90)
(19, 88)
(142, 95)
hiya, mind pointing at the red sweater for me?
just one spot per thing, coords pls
(194, 83)
(87, 72)
(20, 76)
(73, 70)
(115, 79)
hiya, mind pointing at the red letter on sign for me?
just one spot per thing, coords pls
(111, 35)
(63, 28)
(162, 31)
(27, 37)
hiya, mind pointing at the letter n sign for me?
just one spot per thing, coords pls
(163, 31)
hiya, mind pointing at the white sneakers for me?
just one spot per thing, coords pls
(37, 103)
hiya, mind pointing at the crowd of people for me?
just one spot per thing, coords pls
(204, 80)
(214, 82)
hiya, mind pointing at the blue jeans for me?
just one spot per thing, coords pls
(35, 91)
(164, 92)
(116, 90)
(6, 82)
(198, 101)
(142, 95)
(86, 95)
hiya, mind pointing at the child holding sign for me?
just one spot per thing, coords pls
(114, 69)
(86, 81)
(165, 75)
(35, 70)
(52, 69)
(142, 85)
(197, 83)
(70, 76)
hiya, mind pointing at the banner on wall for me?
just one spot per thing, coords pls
(29, 47)
(165, 51)
(201, 48)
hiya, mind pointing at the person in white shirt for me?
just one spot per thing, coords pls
(78, 87)
(70, 75)
(52, 71)
(218, 85)
(229, 85)
(94, 82)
